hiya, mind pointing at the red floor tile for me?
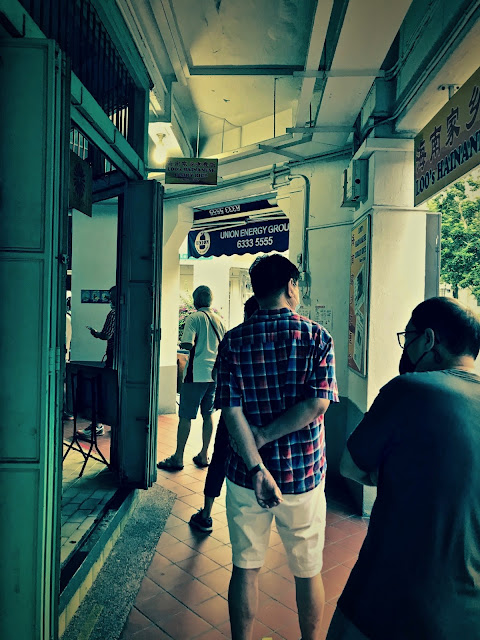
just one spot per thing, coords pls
(198, 565)
(276, 615)
(192, 593)
(222, 554)
(169, 577)
(217, 580)
(176, 552)
(334, 580)
(136, 622)
(150, 633)
(214, 611)
(214, 634)
(160, 607)
(148, 589)
(185, 625)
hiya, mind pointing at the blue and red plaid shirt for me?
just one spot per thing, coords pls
(266, 365)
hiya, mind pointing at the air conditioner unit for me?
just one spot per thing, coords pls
(354, 183)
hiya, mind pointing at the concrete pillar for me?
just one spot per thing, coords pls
(177, 223)
(397, 272)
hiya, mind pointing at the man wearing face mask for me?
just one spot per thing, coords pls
(418, 572)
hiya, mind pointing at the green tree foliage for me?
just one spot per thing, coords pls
(459, 205)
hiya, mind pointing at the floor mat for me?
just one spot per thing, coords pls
(105, 608)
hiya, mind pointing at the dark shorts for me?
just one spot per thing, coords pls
(194, 395)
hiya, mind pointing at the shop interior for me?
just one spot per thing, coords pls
(89, 479)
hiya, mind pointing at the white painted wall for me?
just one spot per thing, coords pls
(94, 263)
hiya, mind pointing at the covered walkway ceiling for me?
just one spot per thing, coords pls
(260, 82)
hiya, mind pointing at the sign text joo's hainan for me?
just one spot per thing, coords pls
(449, 146)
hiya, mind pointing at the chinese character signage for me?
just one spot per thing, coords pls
(257, 237)
(358, 300)
(449, 146)
(191, 171)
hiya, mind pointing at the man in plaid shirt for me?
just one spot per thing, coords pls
(276, 379)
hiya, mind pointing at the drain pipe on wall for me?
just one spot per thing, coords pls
(303, 263)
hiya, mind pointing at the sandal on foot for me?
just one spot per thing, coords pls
(199, 463)
(169, 464)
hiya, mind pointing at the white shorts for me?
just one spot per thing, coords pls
(300, 521)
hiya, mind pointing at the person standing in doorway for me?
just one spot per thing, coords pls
(202, 519)
(276, 379)
(203, 332)
(108, 334)
(108, 331)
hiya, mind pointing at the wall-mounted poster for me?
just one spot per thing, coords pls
(90, 296)
(358, 301)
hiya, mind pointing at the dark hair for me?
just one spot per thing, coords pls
(250, 306)
(202, 296)
(455, 326)
(270, 274)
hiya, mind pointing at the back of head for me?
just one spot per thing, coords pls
(456, 327)
(270, 274)
(202, 297)
(250, 306)
(113, 294)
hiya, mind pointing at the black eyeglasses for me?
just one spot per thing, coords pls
(401, 337)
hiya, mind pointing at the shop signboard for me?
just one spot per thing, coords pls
(80, 187)
(358, 299)
(449, 146)
(191, 171)
(256, 237)
(228, 209)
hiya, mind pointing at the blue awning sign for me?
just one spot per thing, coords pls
(256, 237)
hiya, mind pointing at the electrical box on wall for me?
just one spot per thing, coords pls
(354, 183)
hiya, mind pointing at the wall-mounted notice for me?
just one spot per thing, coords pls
(324, 316)
(358, 301)
(191, 171)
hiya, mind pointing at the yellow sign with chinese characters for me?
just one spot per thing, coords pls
(449, 146)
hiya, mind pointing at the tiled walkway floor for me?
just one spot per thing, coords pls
(184, 594)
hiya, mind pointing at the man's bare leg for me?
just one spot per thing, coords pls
(207, 431)
(243, 602)
(184, 425)
(310, 602)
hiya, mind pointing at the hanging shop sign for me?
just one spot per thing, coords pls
(449, 146)
(80, 187)
(358, 300)
(191, 171)
(257, 237)
(228, 209)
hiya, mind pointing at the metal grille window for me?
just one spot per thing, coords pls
(75, 25)
(84, 148)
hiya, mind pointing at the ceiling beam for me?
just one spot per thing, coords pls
(315, 50)
(326, 129)
(246, 70)
(171, 37)
(341, 73)
(281, 152)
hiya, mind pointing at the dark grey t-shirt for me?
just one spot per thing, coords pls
(418, 573)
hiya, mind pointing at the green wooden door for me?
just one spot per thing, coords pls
(140, 252)
(33, 111)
